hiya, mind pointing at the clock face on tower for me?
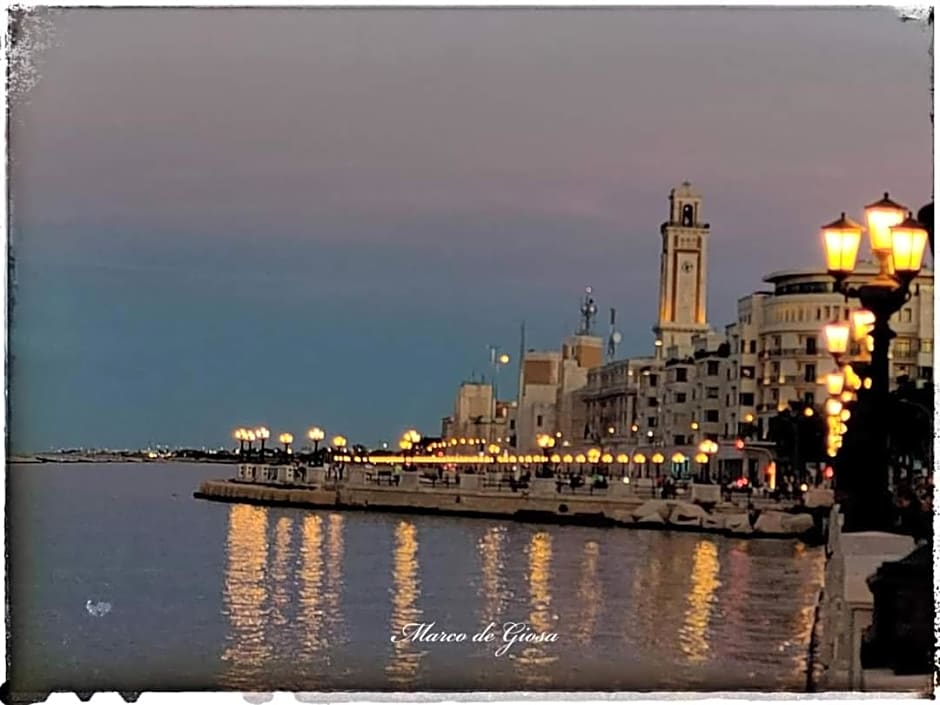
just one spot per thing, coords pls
(685, 291)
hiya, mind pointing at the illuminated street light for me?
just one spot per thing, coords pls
(897, 241)
(316, 434)
(262, 434)
(835, 381)
(241, 435)
(837, 339)
(286, 439)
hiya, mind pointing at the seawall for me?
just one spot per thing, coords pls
(565, 508)
(844, 609)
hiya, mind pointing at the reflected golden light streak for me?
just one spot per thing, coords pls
(311, 578)
(402, 667)
(693, 636)
(589, 593)
(533, 658)
(492, 584)
(279, 570)
(334, 577)
(244, 595)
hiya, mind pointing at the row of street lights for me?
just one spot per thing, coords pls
(248, 436)
(897, 242)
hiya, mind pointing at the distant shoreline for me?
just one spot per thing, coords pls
(65, 458)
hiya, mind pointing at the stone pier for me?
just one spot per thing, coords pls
(618, 504)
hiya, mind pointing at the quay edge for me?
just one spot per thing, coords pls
(586, 510)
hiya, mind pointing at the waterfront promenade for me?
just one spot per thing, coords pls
(488, 494)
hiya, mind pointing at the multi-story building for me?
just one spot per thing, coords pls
(550, 383)
(699, 384)
(788, 335)
(476, 415)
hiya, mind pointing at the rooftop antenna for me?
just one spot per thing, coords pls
(614, 337)
(588, 312)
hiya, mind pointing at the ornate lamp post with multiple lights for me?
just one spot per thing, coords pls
(897, 242)
(286, 439)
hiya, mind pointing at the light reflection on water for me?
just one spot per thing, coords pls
(245, 595)
(534, 659)
(693, 638)
(492, 589)
(208, 595)
(633, 610)
(403, 664)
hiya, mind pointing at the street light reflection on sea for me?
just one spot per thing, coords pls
(262, 598)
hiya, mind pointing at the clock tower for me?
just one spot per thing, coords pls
(682, 274)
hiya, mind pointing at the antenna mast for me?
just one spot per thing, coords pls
(588, 312)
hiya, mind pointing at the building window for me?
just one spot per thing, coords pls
(902, 347)
(753, 346)
(926, 345)
(925, 373)
(712, 368)
(746, 399)
(512, 424)
(811, 346)
(743, 350)
(905, 315)
(651, 421)
(680, 397)
(653, 380)
(681, 374)
(678, 440)
(538, 421)
(809, 373)
(711, 415)
(711, 392)
(652, 401)
(809, 398)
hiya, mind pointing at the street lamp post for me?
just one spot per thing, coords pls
(897, 242)
(262, 435)
(316, 434)
(286, 439)
(708, 448)
(241, 435)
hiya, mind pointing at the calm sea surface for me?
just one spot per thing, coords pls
(231, 596)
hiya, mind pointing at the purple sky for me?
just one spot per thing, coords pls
(245, 216)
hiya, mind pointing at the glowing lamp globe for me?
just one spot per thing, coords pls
(908, 239)
(841, 239)
(837, 338)
(882, 216)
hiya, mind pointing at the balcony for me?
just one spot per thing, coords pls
(789, 352)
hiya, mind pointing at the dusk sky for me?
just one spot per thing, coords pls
(298, 217)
